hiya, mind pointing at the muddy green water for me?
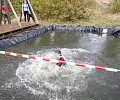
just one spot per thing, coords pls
(27, 79)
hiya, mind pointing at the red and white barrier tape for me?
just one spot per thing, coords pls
(58, 61)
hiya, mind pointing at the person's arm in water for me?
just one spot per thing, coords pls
(59, 56)
(57, 68)
(58, 65)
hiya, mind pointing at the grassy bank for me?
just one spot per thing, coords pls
(108, 20)
(100, 16)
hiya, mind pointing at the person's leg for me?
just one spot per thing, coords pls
(5, 19)
(28, 16)
(25, 15)
(31, 17)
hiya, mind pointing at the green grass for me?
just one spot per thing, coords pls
(94, 20)
(104, 21)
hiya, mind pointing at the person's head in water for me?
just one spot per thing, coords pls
(58, 53)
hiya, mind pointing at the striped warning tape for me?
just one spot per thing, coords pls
(59, 61)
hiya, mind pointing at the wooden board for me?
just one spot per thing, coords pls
(7, 30)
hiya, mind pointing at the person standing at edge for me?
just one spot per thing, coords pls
(5, 14)
(25, 10)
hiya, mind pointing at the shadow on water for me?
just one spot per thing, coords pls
(26, 79)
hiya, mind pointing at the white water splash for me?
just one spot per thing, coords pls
(39, 77)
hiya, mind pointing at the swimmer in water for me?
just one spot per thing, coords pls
(59, 56)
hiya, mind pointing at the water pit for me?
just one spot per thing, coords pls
(26, 79)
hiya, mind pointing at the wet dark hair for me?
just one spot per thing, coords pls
(58, 52)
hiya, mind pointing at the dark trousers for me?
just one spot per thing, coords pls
(30, 15)
(26, 13)
(5, 15)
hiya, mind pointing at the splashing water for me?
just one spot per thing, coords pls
(37, 80)
(40, 78)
